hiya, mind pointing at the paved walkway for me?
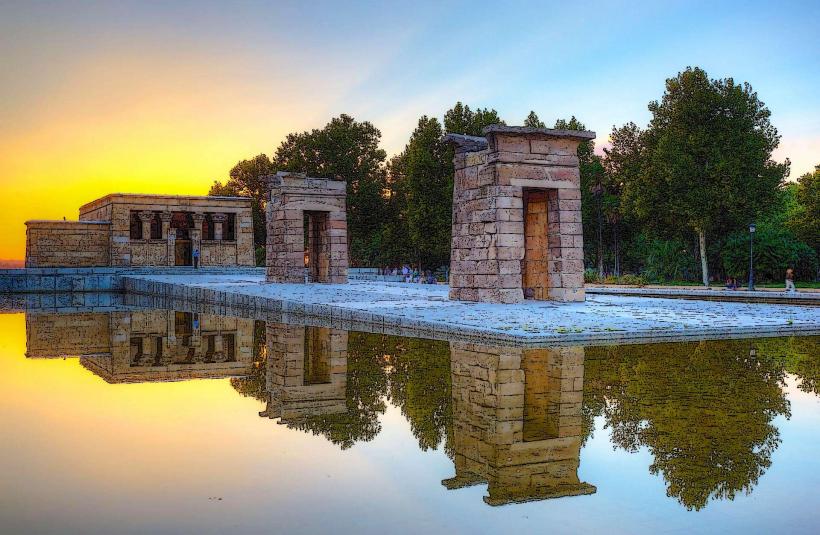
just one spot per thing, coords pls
(421, 310)
(805, 297)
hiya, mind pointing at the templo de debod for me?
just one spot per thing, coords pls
(146, 230)
(517, 215)
(307, 229)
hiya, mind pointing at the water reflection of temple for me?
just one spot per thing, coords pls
(145, 345)
(517, 421)
(306, 372)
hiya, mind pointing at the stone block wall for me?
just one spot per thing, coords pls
(517, 216)
(124, 251)
(171, 347)
(51, 335)
(67, 243)
(517, 421)
(296, 388)
(292, 197)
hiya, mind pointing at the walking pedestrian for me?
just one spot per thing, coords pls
(196, 258)
(790, 280)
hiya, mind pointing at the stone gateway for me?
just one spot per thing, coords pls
(307, 229)
(517, 215)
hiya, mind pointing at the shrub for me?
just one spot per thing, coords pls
(260, 256)
(775, 249)
(665, 260)
(635, 280)
(591, 275)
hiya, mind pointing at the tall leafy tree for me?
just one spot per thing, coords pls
(805, 221)
(247, 179)
(460, 119)
(533, 121)
(710, 144)
(348, 150)
(395, 247)
(623, 163)
(429, 173)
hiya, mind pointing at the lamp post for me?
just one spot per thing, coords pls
(751, 256)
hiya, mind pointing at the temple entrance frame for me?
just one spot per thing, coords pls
(517, 215)
(307, 229)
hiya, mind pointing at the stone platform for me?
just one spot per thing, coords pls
(425, 311)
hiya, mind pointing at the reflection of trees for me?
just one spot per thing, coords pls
(420, 384)
(704, 411)
(364, 401)
(413, 373)
(253, 385)
(801, 355)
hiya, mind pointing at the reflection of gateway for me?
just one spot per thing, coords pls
(307, 371)
(150, 345)
(517, 421)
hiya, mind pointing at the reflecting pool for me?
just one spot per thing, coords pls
(135, 420)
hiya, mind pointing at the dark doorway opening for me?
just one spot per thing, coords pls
(535, 278)
(317, 246)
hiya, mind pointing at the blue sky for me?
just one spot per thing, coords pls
(166, 97)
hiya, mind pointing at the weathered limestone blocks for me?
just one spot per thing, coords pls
(149, 345)
(307, 228)
(517, 421)
(67, 243)
(145, 230)
(517, 216)
(307, 371)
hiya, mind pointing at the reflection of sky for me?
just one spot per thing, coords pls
(98, 97)
(79, 454)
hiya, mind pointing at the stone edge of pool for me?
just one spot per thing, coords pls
(328, 315)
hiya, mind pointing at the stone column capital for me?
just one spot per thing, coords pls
(198, 217)
(166, 217)
(219, 217)
(146, 215)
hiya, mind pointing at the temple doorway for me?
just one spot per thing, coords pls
(535, 267)
(183, 246)
(316, 246)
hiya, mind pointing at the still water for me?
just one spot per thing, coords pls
(155, 421)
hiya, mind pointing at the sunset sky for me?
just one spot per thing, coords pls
(142, 97)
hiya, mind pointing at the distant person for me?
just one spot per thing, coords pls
(790, 280)
(431, 279)
(196, 258)
(731, 283)
(405, 271)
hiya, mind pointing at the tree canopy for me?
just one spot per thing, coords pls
(709, 147)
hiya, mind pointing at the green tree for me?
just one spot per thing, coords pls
(623, 163)
(345, 150)
(710, 169)
(533, 121)
(247, 179)
(805, 221)
(460, 119)
(395, 247)
(429, 172)
(775, 249)
(704, 410)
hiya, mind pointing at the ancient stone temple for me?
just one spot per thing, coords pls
(517, 216)
(517, 421)
(145, 345)
(307, 229)
(146, 230)
(307, 372)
